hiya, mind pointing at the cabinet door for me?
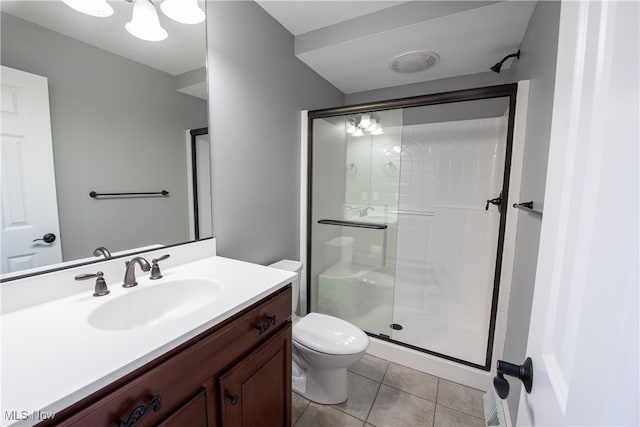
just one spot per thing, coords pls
(257, 390)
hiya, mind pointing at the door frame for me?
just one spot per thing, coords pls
(499, 91)
(192, 183)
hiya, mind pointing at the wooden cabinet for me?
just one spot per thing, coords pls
(237, 373)
(257, 390)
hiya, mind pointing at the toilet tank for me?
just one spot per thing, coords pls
(296, 267)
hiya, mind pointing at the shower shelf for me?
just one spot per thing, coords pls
(353, 224)
(528, 207)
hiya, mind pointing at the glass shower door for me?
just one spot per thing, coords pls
(452, 177)
(354, 193)
(406, 228)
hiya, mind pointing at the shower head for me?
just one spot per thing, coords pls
(498, 65)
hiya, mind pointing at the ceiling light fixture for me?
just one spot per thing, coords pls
(98, 8)
(413, 62)
(183, 11)
(356, 125)
(144, 22)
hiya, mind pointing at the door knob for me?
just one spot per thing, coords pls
(47, 238)
(523, 372)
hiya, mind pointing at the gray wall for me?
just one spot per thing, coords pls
(257, 88)
(537, 63)
(118, 126)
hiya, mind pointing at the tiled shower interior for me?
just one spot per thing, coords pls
(427, 279)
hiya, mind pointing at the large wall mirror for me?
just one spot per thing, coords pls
(122, 117)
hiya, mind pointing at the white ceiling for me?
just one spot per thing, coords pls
(351, 44)
(184, 50)
(302, 16)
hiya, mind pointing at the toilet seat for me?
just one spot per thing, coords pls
(329, 335)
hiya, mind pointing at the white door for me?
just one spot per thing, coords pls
(584, 325)
(29, 204)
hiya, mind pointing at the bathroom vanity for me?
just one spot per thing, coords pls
(209, 344)
(237, 373)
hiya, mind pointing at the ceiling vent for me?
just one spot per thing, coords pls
(413, 62)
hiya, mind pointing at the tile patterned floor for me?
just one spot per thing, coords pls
(385, 394)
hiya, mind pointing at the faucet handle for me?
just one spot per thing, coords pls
(101, 284)
(155, 268)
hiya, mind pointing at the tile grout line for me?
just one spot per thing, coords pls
(454, 409)
(414, 395)
(303, 411)
(435, 406)
(377, 392)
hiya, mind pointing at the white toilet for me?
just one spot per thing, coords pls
(323, 348)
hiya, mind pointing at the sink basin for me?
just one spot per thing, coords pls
(154, 304)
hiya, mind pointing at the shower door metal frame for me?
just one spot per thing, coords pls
(488, 92)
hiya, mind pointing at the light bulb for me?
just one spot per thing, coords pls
(378, 131)
(183, 11)
(373, 126)
(144, 22)
(99, 8)
(358, 132)
(350, 126)
(365, 121)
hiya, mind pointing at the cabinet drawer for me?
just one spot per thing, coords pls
(176, 376)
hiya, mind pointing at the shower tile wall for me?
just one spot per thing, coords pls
(446, 240)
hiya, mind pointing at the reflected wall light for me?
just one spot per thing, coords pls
(98, 8)
(144, 22)
(358, 124)
(183, 11)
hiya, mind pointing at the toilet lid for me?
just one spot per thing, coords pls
(330, 335)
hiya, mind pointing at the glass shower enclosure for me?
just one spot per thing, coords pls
(406, 218)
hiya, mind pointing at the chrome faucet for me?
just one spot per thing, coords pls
(130, 271)
(101, 250)
(365, 211)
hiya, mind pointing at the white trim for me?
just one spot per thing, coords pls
(433, 365)
(304, 179)
(192, 234)
(511, 226)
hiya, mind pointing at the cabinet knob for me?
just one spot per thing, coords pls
(234, 399)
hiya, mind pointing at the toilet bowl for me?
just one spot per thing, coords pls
(323, 348)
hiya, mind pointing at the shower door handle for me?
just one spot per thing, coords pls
(495, 201)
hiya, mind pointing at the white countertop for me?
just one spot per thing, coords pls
(52, 357)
